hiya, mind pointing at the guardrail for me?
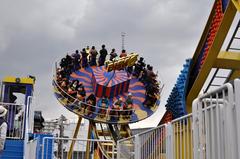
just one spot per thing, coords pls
(212, 131)
(83, 149)
(106, 112)
(15, 119)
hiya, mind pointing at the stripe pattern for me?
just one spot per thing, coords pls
(85, 75)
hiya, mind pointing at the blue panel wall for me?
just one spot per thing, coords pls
(176, 102)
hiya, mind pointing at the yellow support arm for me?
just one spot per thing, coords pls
(212, 54)
(74, 136)
(228, 60)
(237, 4)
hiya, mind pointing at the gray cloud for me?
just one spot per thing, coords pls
(34, 33)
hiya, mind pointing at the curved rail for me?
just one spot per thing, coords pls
(79, 104)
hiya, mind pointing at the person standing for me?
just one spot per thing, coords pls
(93, 56)
(113, 55)
(84, 58)
(3, 128)
(103, 54)
(123, 54)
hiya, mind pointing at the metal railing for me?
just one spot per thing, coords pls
(29, 146)
(214, 125)
(15, 120)
(179, 140)
(88, 109)
(212, 131)
(83, 149)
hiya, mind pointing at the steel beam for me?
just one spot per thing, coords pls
(212, 54)
(227, 60)
(74, 136)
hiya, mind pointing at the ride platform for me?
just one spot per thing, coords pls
(114, 85)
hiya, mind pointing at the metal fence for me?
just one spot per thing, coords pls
(212, 131)
(179, 141)
(59, 148)
(215, 125)
(15, 119)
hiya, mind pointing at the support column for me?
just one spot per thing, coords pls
(74, 136)
(89, 142)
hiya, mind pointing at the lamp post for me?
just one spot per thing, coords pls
(123, 34)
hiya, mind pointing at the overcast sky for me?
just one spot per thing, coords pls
(34, 33)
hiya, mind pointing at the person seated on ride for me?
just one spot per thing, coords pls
(58, 76)
(151, 74)
(90, 104)
(113, 55)
(84, 58)
(93, 56)
(64, 86)
(150, 100)
(81, 94)
(63, 63)
(117, 106)
(138, 68)
(103, 106)
(103, 54)
(72, 90)
(123, 54)
(144, 76)
(127, 107)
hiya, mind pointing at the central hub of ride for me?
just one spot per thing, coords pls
(110, 84)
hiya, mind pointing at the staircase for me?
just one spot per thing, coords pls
(13, 149)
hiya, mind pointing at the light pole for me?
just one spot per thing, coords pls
(123, 34)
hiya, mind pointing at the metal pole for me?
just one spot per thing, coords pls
(89, 142)
(123, 40)
(74, 136)
(61, 135)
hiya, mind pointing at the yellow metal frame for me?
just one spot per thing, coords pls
(74, 136)
(88, 143)
(237, 4)
(228, 60)
(204, 36)
(212, 54)
(23, 80)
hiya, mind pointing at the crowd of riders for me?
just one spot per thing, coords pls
(74, 90)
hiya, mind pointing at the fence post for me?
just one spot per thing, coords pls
(137, 147)
(195, 129)
(237, 109)
(118, 149)
(169, 141)
(231, 134)
(43, 147)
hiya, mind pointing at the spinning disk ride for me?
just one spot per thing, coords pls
(112, 82)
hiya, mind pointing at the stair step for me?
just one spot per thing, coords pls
(12, 157)
(13, 149)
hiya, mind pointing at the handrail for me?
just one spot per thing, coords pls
(75, 99)
(100, 113)
(3, 103)
(26, 125)
(77, 139)
(95, 106)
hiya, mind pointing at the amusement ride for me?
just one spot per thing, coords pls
(112, 92)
